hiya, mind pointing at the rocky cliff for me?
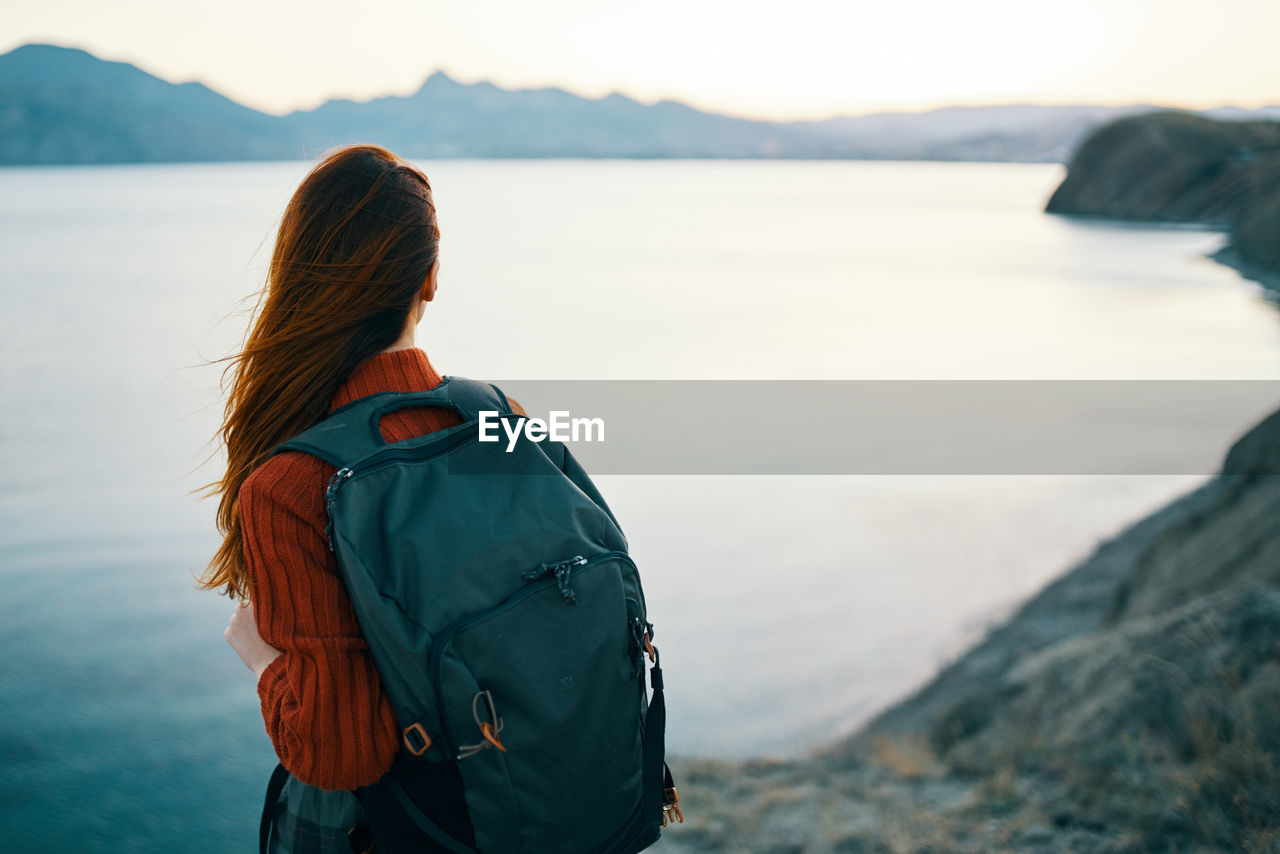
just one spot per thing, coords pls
(1133, 705)
(1179, 167)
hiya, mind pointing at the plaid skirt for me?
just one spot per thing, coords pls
(307, 820)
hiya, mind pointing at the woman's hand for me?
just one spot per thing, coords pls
(242, 634)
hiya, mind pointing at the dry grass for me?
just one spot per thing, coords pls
(907, 758)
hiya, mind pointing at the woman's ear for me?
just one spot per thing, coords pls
(428, 292)
(429, 286)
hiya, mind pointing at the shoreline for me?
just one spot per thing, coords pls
(1075, 724)
(1269, 280)
(1227, 256)
(1177, 167)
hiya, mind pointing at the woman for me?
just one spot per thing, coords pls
(355, 263)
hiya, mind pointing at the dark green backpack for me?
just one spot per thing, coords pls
(509, 628)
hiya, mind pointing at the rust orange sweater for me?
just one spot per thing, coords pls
(322, 701)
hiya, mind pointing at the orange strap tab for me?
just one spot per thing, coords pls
(672, 807)
(491, 735)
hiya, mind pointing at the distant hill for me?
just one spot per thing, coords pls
(1019, 132)
(446, 118)
(62, 106)
(1184, 168)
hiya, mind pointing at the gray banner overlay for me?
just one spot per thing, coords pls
(903, 427)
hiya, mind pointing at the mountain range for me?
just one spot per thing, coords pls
(61, 105)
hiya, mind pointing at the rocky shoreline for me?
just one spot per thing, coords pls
(1228, 256)
(1176, 167)
(1133, 705)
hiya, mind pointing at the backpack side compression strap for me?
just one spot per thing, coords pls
(655, 773)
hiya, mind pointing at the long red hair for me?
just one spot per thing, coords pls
(354, 249)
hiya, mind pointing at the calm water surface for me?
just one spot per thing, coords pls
(789, 608)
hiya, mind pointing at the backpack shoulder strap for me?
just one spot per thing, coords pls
(271, 806)
(351, 432)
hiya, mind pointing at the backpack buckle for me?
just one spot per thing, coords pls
(416, 740)
(671, 806)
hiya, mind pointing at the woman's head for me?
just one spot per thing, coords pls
(356, 252)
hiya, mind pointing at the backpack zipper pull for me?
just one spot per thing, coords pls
(329, 496)
(562, 570)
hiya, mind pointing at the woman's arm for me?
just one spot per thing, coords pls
(322, 701)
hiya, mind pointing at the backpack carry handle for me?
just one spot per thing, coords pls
(352, 431)
(432, 399)
(466, 397)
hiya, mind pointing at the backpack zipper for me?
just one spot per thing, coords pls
(329, 495)
(379, 460)
(446, 635)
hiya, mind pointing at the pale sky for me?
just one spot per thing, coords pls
(794, 59)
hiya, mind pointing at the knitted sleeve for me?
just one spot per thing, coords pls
(322, 700)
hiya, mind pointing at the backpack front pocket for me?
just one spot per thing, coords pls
(538, 701)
